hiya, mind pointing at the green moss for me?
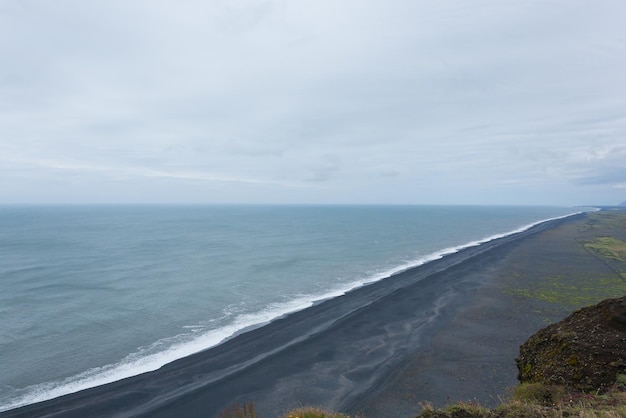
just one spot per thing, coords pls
(466, 410)
(573, 292)
(538, 392)
(573, 360)
(527, 368)
(604, 220)
(607, 247)
(519, 410)
(620, 382)
(599, 236)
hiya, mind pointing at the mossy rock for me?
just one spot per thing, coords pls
(586, 351)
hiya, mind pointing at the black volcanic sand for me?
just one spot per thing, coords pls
(446, 331)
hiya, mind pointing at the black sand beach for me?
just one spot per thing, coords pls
(445, 331)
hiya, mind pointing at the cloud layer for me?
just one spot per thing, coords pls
(313, 102)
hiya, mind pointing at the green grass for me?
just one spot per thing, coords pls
(607, 247)
(574, 292)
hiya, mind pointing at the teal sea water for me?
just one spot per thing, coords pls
(93, 294)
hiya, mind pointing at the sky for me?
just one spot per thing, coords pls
(313, 102)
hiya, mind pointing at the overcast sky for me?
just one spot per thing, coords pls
(284, 101)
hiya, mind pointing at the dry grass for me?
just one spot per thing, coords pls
(538, 401)
(247, 411)
(239, 411)
(529, 401)
(310, 412)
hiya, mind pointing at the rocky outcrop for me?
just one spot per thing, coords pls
(585, 351)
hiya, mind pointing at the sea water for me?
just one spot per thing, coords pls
(94, 294)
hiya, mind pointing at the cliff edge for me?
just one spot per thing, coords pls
(585, 351)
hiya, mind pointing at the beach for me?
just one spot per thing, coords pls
(445, 331)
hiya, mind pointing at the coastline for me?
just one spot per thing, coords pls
(342, 354)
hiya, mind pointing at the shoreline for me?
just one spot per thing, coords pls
(334, 353)
(118, 370)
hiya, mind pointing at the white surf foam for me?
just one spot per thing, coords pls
(185, 344)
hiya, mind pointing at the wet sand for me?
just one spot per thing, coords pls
(445, 331)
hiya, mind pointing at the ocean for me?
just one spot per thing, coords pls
(94, 294)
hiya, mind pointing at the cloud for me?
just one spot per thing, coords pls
(364, 99)
(604, 167)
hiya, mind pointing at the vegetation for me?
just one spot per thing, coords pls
(599, 237)
(608, 247)
(240, 411)
(247, 411)
(612, 220)
(573, 368)
(530, 400)
(313, 413)
(535, 400)
(574, 292)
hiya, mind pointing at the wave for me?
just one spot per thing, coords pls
(198, 339)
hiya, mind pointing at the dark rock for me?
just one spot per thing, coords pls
(585, 351)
